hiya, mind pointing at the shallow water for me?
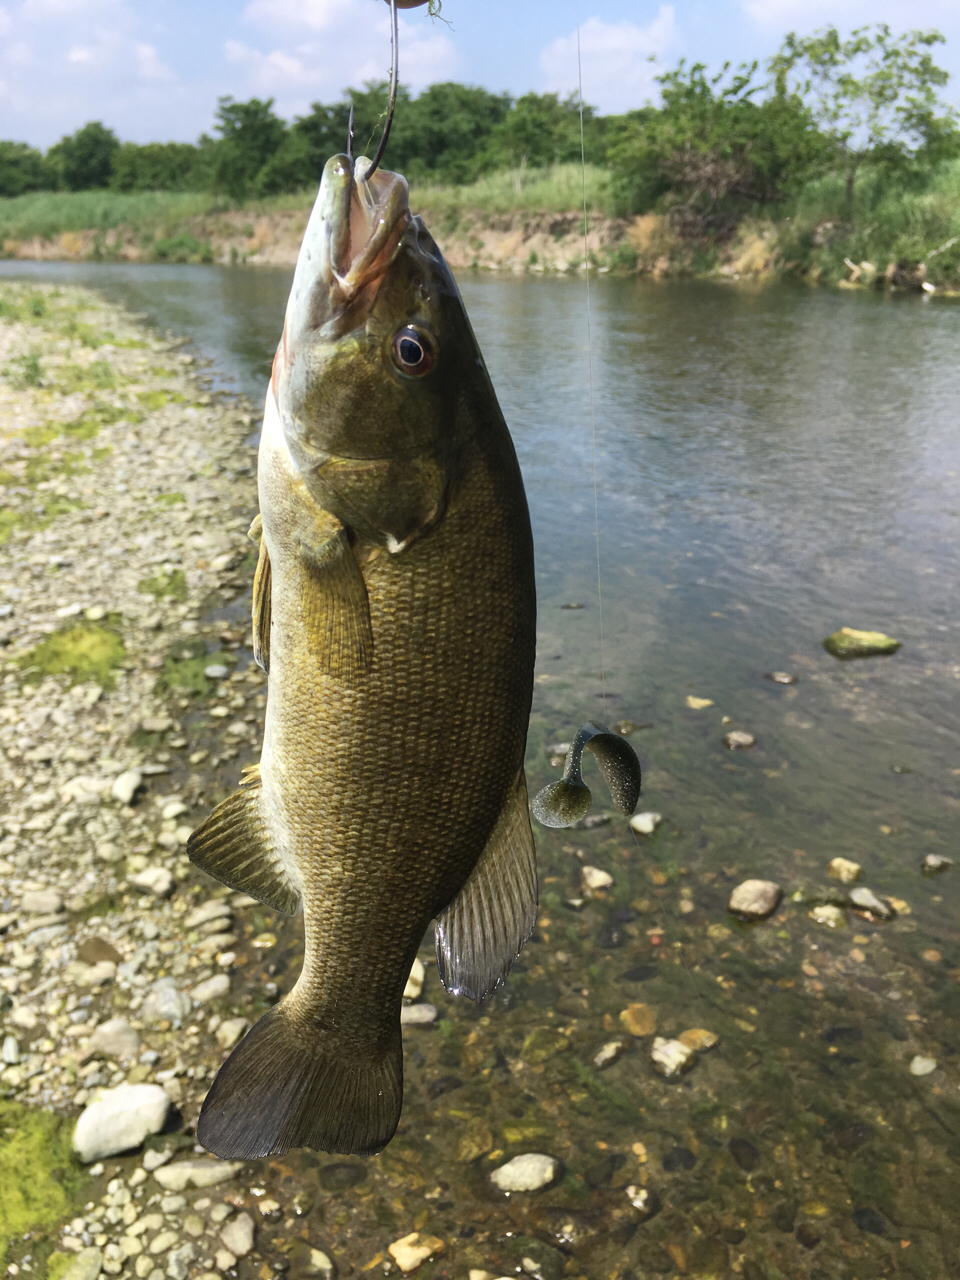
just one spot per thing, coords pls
(771, 465)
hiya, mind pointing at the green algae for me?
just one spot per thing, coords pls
(39, 1181)
(156, 399)
(849, 643)
(183, 668)
(83, 650)
(162, 585)
(170, 499)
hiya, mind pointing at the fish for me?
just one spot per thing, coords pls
(394, 608)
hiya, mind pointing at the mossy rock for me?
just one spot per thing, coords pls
(847, 643)
(541, 1045)
(83, 650)
(40, 1183)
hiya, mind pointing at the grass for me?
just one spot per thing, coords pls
(557, 189)
(48, 214)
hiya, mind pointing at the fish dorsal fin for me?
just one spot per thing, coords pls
(232, 845)
(564, 803)
(480, 934)
(262, 608)
(336, 609)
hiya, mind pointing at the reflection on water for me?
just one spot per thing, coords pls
(771, 465)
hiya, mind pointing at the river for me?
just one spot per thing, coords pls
(770, 464)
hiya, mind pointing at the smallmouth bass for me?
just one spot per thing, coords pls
(394, 607)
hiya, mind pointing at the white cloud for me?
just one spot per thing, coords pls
(806, 15)
(317, 47)
(618, 74)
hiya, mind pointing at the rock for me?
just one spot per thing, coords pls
(215, 909)
(594, 878)
(698, 704)
(529, 1172)
(848, 643)
(196, 1173)
(85, 1266)
(320, 1265)
(864, 899)
(921, 1066)
(844, 870)
(237, 1235)
(415, 981)
(934, 863)
(164, 1241)
(755, 899)
(214, 988)
(225, 1260)
(125, 785)
(165, 1003)
(678, 1159)
(116, 1038)
(230, 1031)
(178, 1263)
(639, 1019)
(608, 1053)
(474, 1141)
(154, 1159)
(645, 824)
(418, 1015)
(671, 1058)
(11, 1051)
(413, 1250)
(738, 740)
(781, 677)
(592, 822)
(42, 902)
(216, 671)
(24, 1016)
(156, 724)
(698, 1039)
(155, 880)
(119, 1120)
(646, 1202)
(92, 975)
(828, 914)
(870, 1220)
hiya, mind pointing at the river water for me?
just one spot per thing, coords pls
(771, 464)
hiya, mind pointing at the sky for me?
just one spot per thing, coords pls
(152, 69)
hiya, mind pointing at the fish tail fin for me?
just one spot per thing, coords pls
(285, 1085)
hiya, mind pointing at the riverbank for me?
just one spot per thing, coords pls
(891, 238)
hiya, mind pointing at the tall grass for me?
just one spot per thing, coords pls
(49, 213)
(557, 189)
(891, 220)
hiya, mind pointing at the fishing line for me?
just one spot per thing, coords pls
(593, 414)
(593, 437)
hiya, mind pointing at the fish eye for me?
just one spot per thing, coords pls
(413, 351)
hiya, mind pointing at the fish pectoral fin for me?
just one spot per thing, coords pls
(482, 931)
(233, 846)
(262, 607)
(336, 609)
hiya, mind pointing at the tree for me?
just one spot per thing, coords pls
(443, 130)
(23, 169)
(872, 93)
(156, 166)
(250, 135)
(542, 129)
(85, 159)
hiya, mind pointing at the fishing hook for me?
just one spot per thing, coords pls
(392, 102)
(350, 134)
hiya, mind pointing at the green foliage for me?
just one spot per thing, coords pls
(83, 651)
(23, 169)
(714, 147)
(251, 134)
(557, 189)
(172, 585)
(157, 166)
(873, 94)
(25, 371)
(183, 668)
(85, 159)
(183, 248)
(540, 130)
(50, 213)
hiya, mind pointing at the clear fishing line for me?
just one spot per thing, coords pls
(593, 438)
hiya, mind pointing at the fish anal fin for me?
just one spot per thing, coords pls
(336, 609)
(233, 846)
(262, 608)
(287, 1084)
(482, 931)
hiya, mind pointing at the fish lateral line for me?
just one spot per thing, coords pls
(567, 802)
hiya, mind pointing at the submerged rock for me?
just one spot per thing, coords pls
(418, 1015)
(922, 1066)
(848, 643)
(639, 1020)
(595, 878)
(646, 1202)
(844, 870)
(698, 1039)
(608, 1053)
(934, 863)
(529, 1172)
(755, 899)
(781, 677)
(413, 1250)
(237, 1235)
(414, 981)
(645, 824)
(864, 899)
(826, 913)
(671, 1058)
(119, 1120)
(196, 1173)
(738, 740)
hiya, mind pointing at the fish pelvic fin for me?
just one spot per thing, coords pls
(483, 930)
(261, 610)
(234, 847)
(567, 802)
(336, 609)
(285, 1085)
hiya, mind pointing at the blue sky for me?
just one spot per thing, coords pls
(152, 69)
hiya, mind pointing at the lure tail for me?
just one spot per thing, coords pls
(565, 803)
(285, 1085)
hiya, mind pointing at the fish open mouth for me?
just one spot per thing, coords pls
(361, 225)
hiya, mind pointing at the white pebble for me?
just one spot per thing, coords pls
(415, 981)
(594, 878)
(120, 1119)
(671, 1058)
(528, 1172)
(418, 1015)
(125, 786)
(645, 824)
(755, 899)
(921, 1066)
